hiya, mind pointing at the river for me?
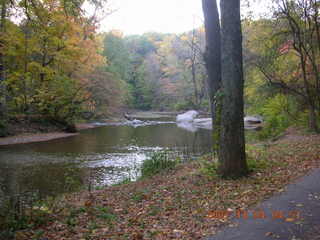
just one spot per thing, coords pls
(97, 157)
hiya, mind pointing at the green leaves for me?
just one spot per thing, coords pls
(52, 58)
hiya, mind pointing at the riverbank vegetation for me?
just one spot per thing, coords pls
(51, 66)
(181, 203)
(58, 68)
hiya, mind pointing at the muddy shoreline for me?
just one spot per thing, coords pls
(43, 137)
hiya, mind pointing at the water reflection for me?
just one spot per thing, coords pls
(100, 156)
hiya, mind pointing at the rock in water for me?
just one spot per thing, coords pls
(136, 121)
(187, 116)
(203, 123)
(253, 119)
(189, 126)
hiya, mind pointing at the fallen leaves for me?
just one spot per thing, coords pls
(290, 219)
(181, 204)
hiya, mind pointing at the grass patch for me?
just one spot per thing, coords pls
(3, 128)
(209, 167)
(138, 196)
(123, 182)
(256, 161)
(257, 157)
(158, 162)
(106, 215)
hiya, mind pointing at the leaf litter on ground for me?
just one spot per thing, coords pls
(181, 203)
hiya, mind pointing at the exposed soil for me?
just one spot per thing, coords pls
(34, 137)
(36, 130)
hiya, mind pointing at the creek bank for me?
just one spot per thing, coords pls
(23, 130)
(28, 131)
(30, 136)
(182, 203)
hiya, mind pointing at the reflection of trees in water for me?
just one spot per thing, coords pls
(52, 179)
(45, 180)
(2, 186)
(57, 178)
(195, 143)
(102, 176)
(9, 181)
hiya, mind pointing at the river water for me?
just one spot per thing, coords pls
(97, 157)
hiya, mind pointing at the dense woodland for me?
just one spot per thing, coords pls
(56, 65)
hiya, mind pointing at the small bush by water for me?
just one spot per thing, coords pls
(3, 129)
(157, 163)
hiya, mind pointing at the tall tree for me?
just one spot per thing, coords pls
(3, 8)
(302, 18)
(232, 157)
(212, 54)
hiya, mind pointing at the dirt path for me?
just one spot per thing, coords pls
(294, 214)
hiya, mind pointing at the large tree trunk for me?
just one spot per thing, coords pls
(232, 156)
(193, 69)
(2, 66)
(213, 53)
(313, 125)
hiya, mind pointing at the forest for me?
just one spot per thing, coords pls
(56, 65)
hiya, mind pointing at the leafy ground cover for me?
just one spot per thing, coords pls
(181, 203)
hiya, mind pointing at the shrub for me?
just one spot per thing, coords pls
(182, 106)
(157, 163)
(209, 168)
(3, 129)
(278, 112)
(256, 157)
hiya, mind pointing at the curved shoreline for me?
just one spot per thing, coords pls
(42, 137)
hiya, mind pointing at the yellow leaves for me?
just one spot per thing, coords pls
(88, 203)
(184, 38)
(117, 33)
(289, 219)
(246, 192)
(22, 235)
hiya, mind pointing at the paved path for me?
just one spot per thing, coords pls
(301, 197)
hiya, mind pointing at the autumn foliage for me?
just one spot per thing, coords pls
(52, 62)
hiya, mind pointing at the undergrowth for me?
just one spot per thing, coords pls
(256, 160)
(157, 163)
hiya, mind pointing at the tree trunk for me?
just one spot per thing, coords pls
(2, 66)
(193, 59)
(232, 156)
(194, 81)
(213, 53)
(313, 125)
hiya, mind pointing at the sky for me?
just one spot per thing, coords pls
(166, 16)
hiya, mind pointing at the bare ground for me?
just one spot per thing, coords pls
(30, 135)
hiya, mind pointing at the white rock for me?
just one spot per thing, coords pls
(189, 126)
(136, 121)
(203, 123)
(187, 116)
